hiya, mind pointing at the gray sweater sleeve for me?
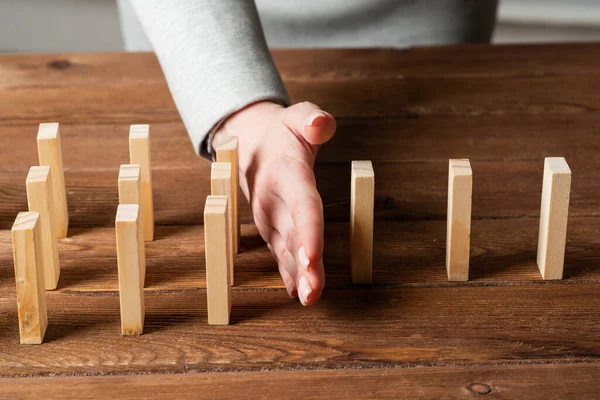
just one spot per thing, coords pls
(214, 56)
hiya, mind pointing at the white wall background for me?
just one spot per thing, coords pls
(93, 25)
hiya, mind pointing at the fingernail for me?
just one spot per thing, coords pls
(315, 120)
(304, 260)
(304, 290)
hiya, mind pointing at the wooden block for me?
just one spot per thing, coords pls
(554, 214)
(40, 200)
(130, 185)
(217, 248)
(131, 261)
(362, 202)
(220, 184)
(227, 151)
(139, 153)
(29, 276)
(50, 154)
(458, 230)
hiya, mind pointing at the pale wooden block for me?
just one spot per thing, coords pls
(50, 154)
(227, 151)
(554, 214)
(139, 153)
(29, 277)
(220, 184)
(40, 200)
(458, 229)
(132, 265)
(362, 202)
(217, 248)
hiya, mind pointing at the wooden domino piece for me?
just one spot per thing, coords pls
(217, 248)
(139, 153)
(40, 200)
(220, 184)
(131, 260)
(362, 202)
(29, 277)
(458, 229)
(554, 214)
(130, 185)
(50, 154)
(227, 151)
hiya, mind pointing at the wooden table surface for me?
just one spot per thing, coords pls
(411, 334)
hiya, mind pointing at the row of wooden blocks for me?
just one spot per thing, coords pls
(554, 212)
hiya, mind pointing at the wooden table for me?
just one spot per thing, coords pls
(411, 333)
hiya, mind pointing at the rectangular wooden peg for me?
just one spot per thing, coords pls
(139, 153)
(554, 214)
(458, 229)
(221, 185)
(362, 202)
(132, 268)
(227, 151)
(130, 184)
(29, 277)
(217, 248)
(50, 154)
(40, 200)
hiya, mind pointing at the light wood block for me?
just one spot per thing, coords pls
(50, 154)
(131, 261)
(362, 202)
(458, 230)
(227, 151)
(217, 248)
(130, 185)
(554, 214)
(29, 277)
(139, 153)
(40, 200)
(220, 185)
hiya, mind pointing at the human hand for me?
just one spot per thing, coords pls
(277, 149)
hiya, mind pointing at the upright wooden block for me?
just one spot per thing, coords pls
(40, 199)
(130, 185)
(29, 276)
(139, 153)
(362, 202)
(220, 184)
(217, 248)
(50, 154)
(458, 230)
(554, 214)
(131, 261)
(227, 151)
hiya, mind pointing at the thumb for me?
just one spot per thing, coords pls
(308, 120)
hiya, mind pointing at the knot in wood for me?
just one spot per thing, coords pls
(480, 389)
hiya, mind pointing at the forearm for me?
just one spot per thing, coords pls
(214, 57)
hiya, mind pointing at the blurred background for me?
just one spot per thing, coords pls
(73, 25)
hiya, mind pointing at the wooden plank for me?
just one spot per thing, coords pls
(139, 153)
(362, 194)
(348, 328)
(131, 261)
(553, 217)
(227, 151)
(221, 185)
(50, 154)
(457, 382)
(218, 253)
(458, 236)
(29, 276)
(40, 199)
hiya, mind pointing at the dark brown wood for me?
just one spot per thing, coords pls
(411, 333)
(559, 381)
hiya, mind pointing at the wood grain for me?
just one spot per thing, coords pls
(557, 381)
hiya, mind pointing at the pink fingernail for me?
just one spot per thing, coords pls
(315, 120)
(304, 260)
(304, 290)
